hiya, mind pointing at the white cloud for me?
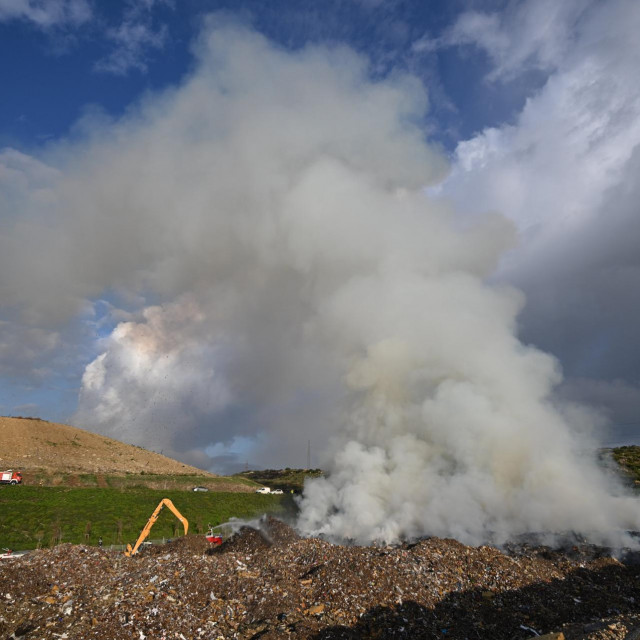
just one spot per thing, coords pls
(134, 39)
(155, 373)
(132, 42)
(46, 13)
(530, 34)
(575, 137)
(566, 173)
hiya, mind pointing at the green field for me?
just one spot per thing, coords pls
(32, 517)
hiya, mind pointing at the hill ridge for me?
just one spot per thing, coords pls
(33, 443)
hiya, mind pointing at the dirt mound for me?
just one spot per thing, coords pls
(279, 532)
(309, 588)
(246, 540)
(30, 443)
(266, 532)
(184, 545)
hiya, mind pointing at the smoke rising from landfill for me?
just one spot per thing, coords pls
(282, 275)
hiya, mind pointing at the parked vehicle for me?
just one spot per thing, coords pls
(263, 490)
(10, 477)
(200, 489)
(9, 554)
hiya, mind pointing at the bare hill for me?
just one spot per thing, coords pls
(31, 444)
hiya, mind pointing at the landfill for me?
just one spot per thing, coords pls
(269, 583)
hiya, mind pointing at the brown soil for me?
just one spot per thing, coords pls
(31, 444)
(271, 584)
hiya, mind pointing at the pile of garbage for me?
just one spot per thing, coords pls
(268, 583)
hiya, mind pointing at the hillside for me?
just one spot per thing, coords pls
(28, 444)
(56, 454)
(289, 480)
(628, 458)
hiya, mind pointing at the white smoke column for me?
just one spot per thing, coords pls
(451, 432)
(273, 208)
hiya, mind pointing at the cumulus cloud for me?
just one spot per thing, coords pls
(153, 374)
(566, 173)
(46, 14)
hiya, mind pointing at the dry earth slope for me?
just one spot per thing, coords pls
(31, 444)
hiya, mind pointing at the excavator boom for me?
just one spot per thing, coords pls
(152, 520)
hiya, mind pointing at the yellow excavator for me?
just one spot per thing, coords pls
(152, 520)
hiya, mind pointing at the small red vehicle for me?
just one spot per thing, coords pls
(213, 538)
(10, 477)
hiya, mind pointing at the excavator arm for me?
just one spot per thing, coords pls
(152, 520)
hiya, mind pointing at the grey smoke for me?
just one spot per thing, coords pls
(286, 277)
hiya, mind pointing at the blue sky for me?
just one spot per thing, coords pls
(528, 109)
(58, 70)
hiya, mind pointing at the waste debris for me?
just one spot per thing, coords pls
(269, 583)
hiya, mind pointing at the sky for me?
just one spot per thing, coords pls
(216, 218)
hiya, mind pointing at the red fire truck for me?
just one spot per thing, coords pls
(10, 477)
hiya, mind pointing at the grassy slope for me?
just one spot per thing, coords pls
(629, 459)
(285, 479)
(137, 480)
(32, 516)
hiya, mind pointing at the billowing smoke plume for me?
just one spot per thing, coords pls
(285, 277)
